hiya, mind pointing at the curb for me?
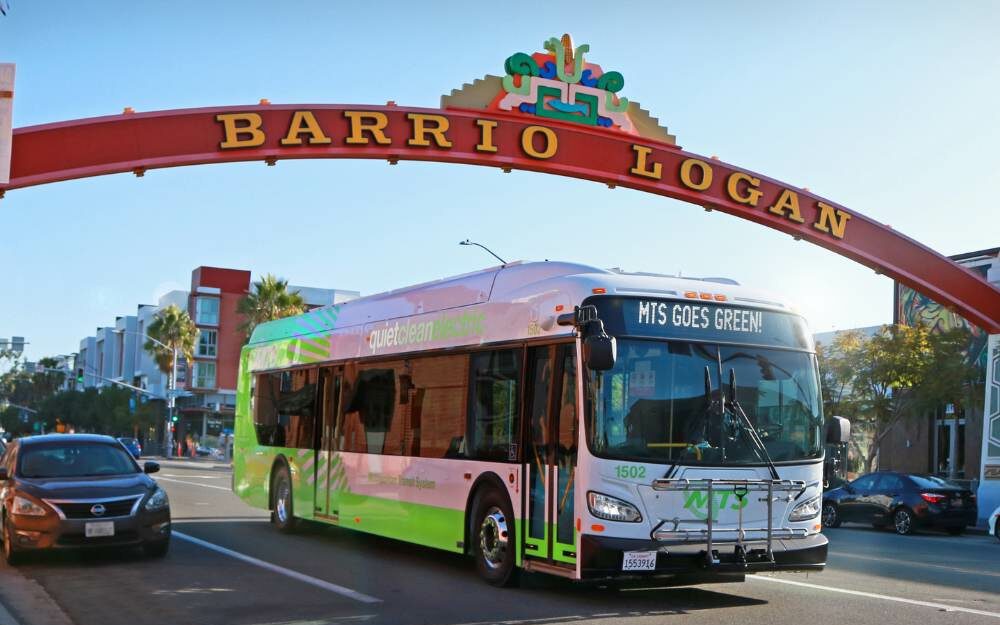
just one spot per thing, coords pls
(6, 618)
(24, 601)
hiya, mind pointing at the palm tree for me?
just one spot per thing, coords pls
(172, 327)
(268, 300)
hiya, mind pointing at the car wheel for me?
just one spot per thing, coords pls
(10, 553)
(283, 513)
(156, 549)
(996, 529)
(831, 517)
(493, 539)
(955, 531)
(902, 520)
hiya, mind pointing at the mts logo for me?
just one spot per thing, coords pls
(697, 503)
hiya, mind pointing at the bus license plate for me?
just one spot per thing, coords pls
(639, 561)
(102, 528)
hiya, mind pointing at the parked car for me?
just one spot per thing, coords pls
(132, 445)
(62, 491)
(994, 523)
(905, 501)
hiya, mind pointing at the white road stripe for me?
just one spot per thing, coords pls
(340, 590)
(927, 604)
(858, 556)
(200, 477)
(167, 479)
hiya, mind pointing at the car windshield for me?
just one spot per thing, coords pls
(75, 460)
(652, 405)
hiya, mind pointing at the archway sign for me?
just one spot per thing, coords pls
(552, 112)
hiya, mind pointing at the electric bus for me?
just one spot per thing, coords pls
(550, 417)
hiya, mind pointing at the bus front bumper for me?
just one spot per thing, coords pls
(602, 557)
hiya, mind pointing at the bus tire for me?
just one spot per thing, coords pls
(494, 543)
(282, 508)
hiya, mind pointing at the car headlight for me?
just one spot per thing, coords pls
(27, 507)
(157, 501)
(806, 510)
(612, 508)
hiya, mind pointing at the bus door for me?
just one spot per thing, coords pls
(327, 466)
(550, 455)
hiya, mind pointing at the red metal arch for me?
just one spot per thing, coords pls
(137, 142)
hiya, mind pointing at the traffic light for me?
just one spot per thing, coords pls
(174, 418)
(79, 376)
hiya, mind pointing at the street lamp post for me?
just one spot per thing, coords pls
(168, 439)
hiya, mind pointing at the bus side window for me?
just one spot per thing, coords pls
(494, 405)
(265, 409)
(438, 406)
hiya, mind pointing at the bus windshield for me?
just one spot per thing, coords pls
(652, 406)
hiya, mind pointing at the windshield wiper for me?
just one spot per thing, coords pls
(751, 431)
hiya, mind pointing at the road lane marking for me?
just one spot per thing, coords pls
(302, 577)
(200, 477)
(859, 593)
(167, 479)
(858, 556)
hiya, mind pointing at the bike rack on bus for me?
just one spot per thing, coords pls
(741, 536)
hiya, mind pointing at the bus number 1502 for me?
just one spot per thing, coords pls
(630, 471)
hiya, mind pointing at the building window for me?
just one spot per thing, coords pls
(207, 310)
(204, 375)
(207, 343)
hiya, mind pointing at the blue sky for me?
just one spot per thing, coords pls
(888, 108)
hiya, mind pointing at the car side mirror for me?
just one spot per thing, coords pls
(838, 431)
(3, 474)
(150, 467)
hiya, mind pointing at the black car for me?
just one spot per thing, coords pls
(903, 500)
(64, 491)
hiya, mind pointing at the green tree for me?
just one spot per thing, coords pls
(29, 390)
(269, 299)
(898, 373)
(174, 328)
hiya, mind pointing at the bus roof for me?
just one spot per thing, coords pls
(537, 287)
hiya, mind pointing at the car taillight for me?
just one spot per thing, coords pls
(933, 497)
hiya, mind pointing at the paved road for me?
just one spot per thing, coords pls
(235, 569)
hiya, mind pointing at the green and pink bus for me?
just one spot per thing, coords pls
(551, 417)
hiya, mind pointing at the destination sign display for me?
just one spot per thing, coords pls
(701, 321)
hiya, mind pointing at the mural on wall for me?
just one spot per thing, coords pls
(912, 308)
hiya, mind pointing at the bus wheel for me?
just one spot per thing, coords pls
(493, 539)
(282, 514)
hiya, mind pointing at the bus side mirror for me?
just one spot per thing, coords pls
(838, 431)
(600, 352)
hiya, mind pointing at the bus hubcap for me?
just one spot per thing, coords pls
(282, 506)
(493, 538)
(902, 522)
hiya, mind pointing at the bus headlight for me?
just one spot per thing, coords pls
(806, 510)
(612, 508)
